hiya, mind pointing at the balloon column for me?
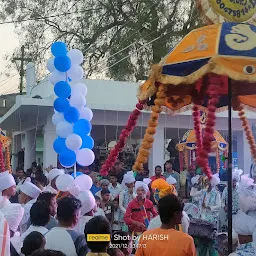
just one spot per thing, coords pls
(71, 118)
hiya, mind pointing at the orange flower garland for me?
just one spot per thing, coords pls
(7, 158)
(148, 138)
(2, 166)
(247, 129)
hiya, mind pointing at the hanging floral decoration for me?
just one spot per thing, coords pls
(148, 138)
(205, 148)
(131, 123)
(247, 129)
(7, 157)
(2, 165)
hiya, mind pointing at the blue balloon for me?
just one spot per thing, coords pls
(71, 114)
(61, 104)
(59, 48)
(62, 63)
(88, 142)
(62, 89)
(59, 145)
(67, 158)
(82, 127)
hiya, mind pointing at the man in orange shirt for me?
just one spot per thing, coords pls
(166, 241)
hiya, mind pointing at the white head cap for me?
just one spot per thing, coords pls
(195, 179)
(236, 173)
(128, 178)
(6, 180)
(13, 213)
(88, 201)
(55, 173)
(171, 180)
(141, 184)
(147, 181)
(215, 180)
(30, 189)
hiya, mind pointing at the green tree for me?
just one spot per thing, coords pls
(119, 38)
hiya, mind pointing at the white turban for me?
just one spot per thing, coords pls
(105, 182)
(236, 173)
(13, 213)
(30, 189)
(55, 173)
(245, 225)
(140, 184)
(6, 180)
(171, 180)
(147, 181)
(128, 178)
(88, 201)
(195, 179)
(247, 194)
(215, 180)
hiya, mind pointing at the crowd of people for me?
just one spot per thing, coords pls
(142, 215)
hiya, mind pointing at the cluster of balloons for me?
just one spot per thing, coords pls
(71, 118)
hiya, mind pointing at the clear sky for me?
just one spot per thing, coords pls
(8, 42)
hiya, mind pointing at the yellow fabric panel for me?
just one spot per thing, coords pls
(218, 137)
(237, 65)
(233, 11)
(199, 44)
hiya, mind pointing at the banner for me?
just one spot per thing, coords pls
(234, 10)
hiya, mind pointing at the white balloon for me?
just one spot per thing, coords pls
(76, 57)
(83, 182)
(79, 88)
(57, 117)
(73, 142)
(63, 182)
(86, 113)
(57, 76)
(75, 73)
(87, 200)
(64, 129)
(85, 157)
(77, 100)
(50, 65)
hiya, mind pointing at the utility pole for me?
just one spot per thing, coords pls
(22, 59)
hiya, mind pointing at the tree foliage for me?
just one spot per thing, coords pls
(119, 38)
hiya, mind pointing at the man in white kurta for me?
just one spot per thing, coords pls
(28, 195)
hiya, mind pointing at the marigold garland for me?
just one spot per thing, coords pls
(148, 138)
(197, 128)
(247, 129)
(213, 94)
(2, 165)
(7, 157)
(131, 123)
